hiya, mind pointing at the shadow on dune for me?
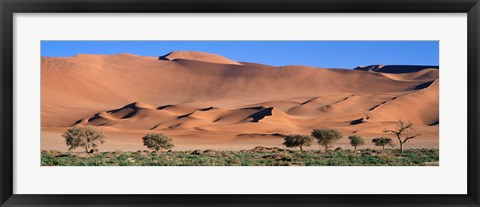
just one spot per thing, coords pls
(163, 107)
(207, 109)
(261, 114)
(356, 121)
(423, 85)
(396, 69)
(185, 115)
(164, 57)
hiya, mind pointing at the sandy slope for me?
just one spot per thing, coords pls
(204, 100)
(198, 56)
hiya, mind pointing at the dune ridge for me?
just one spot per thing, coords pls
(198, 56)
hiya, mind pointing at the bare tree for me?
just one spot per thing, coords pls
(404, 132)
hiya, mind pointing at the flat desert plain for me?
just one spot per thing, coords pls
(206, 101)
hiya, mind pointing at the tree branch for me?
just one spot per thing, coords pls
(410, 137)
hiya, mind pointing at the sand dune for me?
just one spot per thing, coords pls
(198, 56)
(419, 107)
(425, 74)
(202, 99)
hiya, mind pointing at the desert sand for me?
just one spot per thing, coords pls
(206, 101)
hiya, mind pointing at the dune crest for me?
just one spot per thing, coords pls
(198, 56)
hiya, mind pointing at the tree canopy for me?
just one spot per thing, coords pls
(356, 141)
(87, 137)
(298, 140)
(157, 141)
(326, 136)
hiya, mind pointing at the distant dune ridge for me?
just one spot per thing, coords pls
(202, 99)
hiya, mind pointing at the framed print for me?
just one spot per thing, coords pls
(266, 103)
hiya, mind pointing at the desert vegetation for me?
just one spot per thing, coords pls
(258, 156)
(382, 141)
(326, 137)
(356, 141)
(89, 138)
(404, 132)
(157, 142)
(298, 140)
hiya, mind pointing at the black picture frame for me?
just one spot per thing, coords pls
(10, 7)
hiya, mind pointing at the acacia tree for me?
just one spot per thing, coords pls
(382, 141)
(325, 137)
(404, 132)
(355, 141)
(156, 141)
(87, 137)
(298, 140)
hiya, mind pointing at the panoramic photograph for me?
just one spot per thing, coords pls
(239, 103)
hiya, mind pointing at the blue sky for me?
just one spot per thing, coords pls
(332, 54)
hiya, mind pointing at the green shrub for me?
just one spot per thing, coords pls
(418, 157)
(382, 141)
(156, 141)
(87, 137)
(298, 140)
(325, 137)
(356, 141)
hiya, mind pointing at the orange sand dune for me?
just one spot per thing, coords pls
(198, 56)
(204, 100)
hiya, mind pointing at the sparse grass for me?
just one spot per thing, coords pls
(260, 156)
